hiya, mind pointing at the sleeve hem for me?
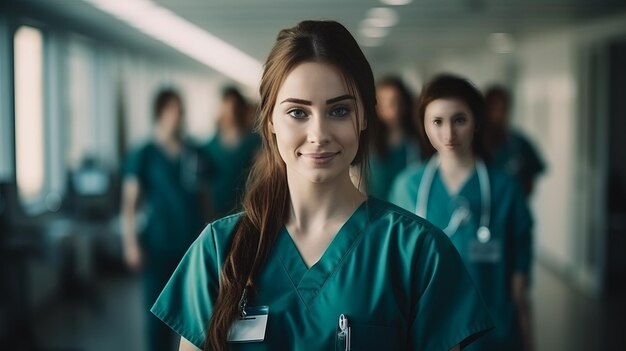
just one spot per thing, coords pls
(177, 327)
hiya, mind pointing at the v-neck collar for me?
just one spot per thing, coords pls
(309, 281)
(466, 183)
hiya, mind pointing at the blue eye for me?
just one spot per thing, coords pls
(297, 113)
(339, 112)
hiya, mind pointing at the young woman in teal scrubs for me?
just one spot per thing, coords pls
(230, 153)
(312, 263)
(482, 209)
(395, 143)
(167, 175)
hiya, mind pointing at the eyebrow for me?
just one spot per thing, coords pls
(328, 102)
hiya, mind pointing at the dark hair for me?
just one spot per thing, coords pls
(447, 86)
(266, 199)
(163, 99)
(497, 92)
(407, 122)
(241, 106)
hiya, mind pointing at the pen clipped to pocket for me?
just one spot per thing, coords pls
(344, 334)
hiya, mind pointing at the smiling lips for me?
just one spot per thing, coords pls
(320, 157)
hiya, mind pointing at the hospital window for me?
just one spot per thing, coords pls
(29, 114)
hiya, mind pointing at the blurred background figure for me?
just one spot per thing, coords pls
(481, 209)
(166, 173)
(395, 143)
(509, 148)
(230, 153)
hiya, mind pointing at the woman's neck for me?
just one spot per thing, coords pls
(170, 142)
(396, 136)
(321, 205)
(455, 169)
(230, 136)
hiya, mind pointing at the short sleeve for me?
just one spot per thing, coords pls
(520, 224)
(186, 302)
(135, 164)
(449, 310)
(534, 164)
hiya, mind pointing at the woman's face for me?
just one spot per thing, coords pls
(389, 105)
(450, 126)
(171, 119)
(315, 123)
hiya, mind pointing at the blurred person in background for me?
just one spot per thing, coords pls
(481, 208)
(230, 153)
(395, 143)
(510, 149)
(166, 173)
(313, 263)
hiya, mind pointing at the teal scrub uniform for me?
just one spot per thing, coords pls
(229, 170)
(171, 192)
(385, 168)
(491, 264)
(519, 158)
(396, 277)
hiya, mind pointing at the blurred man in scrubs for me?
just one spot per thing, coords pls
(510, 149)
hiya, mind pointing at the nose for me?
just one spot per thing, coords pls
(448, 132)
(318, 130)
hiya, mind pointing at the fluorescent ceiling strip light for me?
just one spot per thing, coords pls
(193, 41)
(382, 17)
(396, 2)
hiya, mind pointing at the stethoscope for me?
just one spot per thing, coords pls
(461, 213)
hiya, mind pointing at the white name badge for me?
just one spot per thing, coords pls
(489, 252)
(252, 327)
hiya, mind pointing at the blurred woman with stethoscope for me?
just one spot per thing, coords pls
(481, 208)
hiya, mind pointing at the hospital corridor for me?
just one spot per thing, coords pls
(312, 175)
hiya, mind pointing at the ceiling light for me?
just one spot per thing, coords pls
(396, 2)
(501, 43)
(373, 32)
(382, 17)
(184, 36)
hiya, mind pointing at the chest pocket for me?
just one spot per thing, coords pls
(372, 337)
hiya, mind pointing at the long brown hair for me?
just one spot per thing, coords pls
(266, 201)
(380, 139)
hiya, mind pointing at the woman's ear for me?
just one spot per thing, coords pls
(271, 125)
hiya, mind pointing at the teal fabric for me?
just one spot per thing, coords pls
(511, 225)
(229, 170)
(519, 158)
(397, 278)
(385, 168)
(170, 188)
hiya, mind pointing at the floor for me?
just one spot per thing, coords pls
(563, 318)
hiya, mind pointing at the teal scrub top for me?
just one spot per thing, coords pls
(384, 169)
(519, 158)
(491, 266)
(171, 190)
(396, 277)
(229, 170)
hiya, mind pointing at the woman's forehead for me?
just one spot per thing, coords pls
(315, 82)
